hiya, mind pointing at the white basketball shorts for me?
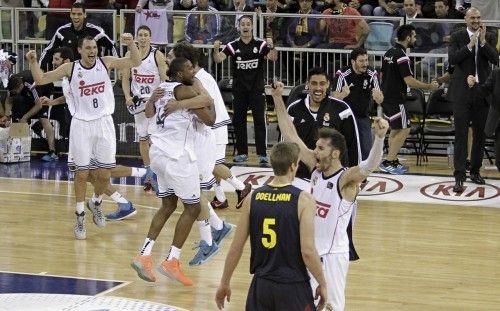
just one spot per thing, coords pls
(141, 125)
(205, 148)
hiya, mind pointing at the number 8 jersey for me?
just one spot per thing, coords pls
(92, 91)
(145, 77)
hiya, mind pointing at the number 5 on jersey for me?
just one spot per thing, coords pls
(269, 235)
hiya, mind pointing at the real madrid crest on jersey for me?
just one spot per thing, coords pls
(326, 119)
(255, 50)
(365, 84)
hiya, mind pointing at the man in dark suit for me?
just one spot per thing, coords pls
(471, 51)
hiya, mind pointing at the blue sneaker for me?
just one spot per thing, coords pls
(263, 159)
(219, 235)
(50, 157)
(393, 167)
(125, 210)
(151, 179)
(240, 158)
(204, 253)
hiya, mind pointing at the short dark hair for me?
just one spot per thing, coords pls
(80, 42)
(357, 52)
(317, 71)
(337, 140)
(66, 53)
(445, 2)
(245, 16)
(14, 82)
(282, 156)
(78, 5)
(404, 31)
(176, 66)
(145, 28)
(186, 50)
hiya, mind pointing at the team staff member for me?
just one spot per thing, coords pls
(92, 141)
(335, 189)
(357, 85)
(248, 56)
(279, 220)
(397, 76)
(70, 34)
(472, 51)
(318, 110)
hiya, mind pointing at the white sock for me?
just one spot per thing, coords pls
(138, 172)
(80, 207)
(147, 247)
(97, 198)
(236, 183)
(118, 198)
(174, 253)
(205, 232)
(215, 221)
(219, 192)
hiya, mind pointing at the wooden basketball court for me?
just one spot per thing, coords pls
(413, 256)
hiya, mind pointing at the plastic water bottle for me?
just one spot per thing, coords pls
(449, 152)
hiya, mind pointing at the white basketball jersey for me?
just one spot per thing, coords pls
(92, 91)
(145, 77)
(173, 134)
(332, 214)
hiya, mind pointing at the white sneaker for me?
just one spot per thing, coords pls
(97, 215)
(80, 231)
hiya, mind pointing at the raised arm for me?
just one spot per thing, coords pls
(133, 60)
(126, 84)
(234, 255)
(162, 65)
(41, 77)
(355, 175)
(218, 56)
(288, 130)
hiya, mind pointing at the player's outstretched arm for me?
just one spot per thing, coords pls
(132, 60)
(287, 129)
(234, 255)
(356, 174)
(41, 77)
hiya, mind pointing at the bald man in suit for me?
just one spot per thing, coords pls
(472, 51)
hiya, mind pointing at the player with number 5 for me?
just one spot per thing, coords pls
(92, 141)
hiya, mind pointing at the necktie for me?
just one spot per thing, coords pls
(476, 47)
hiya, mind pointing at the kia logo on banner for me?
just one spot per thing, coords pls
(377, 185)
(444, 191)
(257, 178)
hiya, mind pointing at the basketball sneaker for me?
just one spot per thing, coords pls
(143, 265)
(80, 231)
(240, 158)
(400, 168)
(216, 204)
(219, 235)
(125, 210)
(204, 253)
(97, 215)
(50, 157)
(172, 269)
(242, 194)
(263, 159)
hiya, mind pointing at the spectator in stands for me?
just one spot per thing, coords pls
(389, 8)
(202, 28)
(358, 86)
(303, 31)
(316, 110)
(104, 20)
(397, 76)
(343, 33)
(57, 19)
(230, 23)
(129, 18)
(6, 18)
(160, 5)
(462, 5)
(27, 105)
(442, 10)
(274, 26)
(472, 51)
(70, 34)
(365, 7)
(411, 10)
(248, 56)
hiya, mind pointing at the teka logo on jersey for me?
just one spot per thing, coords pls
(151, 14)
(247, 64)
(322, 209)
(143, 78)
(91, 89)
(444, 191)
(377, 185)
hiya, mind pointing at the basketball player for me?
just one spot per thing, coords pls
(220, 171)
(279, 219)
(334, 188)
(145, 78)
(173, 160)
(92, 142)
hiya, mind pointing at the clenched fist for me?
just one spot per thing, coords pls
(31, 56)
(127, 38)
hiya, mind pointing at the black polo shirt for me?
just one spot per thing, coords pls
(396, 65)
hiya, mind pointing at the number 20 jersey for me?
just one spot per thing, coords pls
(145, 77)
(275, 235)
(92, 91)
